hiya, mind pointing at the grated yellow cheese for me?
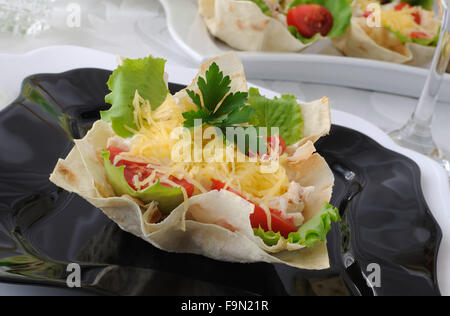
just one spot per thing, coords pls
(403, 21)
(152, 144)
(400, 21)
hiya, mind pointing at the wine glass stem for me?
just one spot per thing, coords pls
(416, 134)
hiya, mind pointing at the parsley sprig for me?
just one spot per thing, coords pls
(216, 105)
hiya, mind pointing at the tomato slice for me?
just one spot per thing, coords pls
(420, 35)
(402, 5)
(310, 19)
(273, 141)
(189, 187)
(219, 186)
(135, 168)
(417, 17)
(280, 224)
(113, 153)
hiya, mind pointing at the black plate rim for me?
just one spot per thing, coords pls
(421, 196)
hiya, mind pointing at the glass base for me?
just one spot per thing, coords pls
(422, 143)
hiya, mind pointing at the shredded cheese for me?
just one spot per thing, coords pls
(400, 21)
(404, 21)
(153, 144)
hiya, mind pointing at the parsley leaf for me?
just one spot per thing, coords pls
(216, 105)
(191, 116)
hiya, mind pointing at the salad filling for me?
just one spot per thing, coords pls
(141, 165)
(275, 25)
(216, 169)
(309, 19)
(403, 32)
(402, 23)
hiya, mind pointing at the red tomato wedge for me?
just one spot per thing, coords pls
(219, 186)
(113, 151)
(420, 35)
(417, 17)
(189, 187)
(280, 224)
(402, 5)
(273, 141)
(134, 168)
(310, 19)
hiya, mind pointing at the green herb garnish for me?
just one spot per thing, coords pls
(216, 105)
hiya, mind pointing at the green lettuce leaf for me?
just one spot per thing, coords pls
(168, 198)
(269, 238)
(294, 31)
(262, 5)
(426, 4)
(340, 9)
(317, 228)
(284, 113)
(144, 75)
(17, 261)
(310, 233)
(425, 42)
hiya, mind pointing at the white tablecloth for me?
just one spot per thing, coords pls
(136, 28)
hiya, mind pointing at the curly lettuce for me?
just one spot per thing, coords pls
(270, 238)
(283, 112)
(308, 234)
(168, 198)
(421, 41)
(294, 31)
(145, 75)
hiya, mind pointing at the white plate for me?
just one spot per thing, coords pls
(58, 59)
(189, 31)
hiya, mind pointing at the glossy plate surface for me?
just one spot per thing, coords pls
(386, 221)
